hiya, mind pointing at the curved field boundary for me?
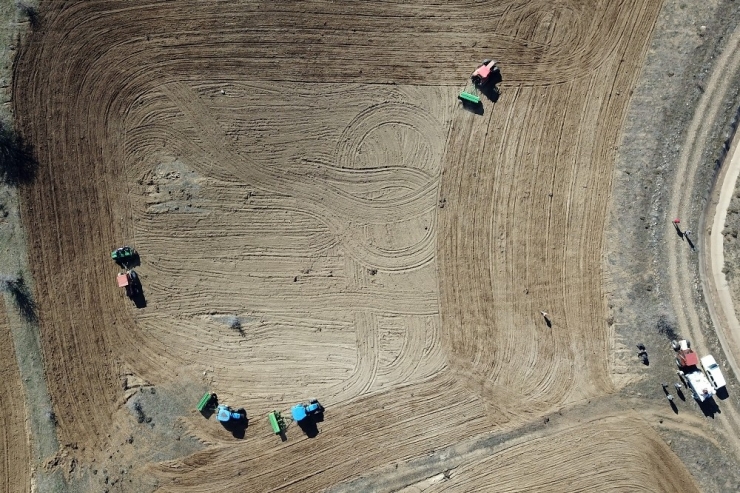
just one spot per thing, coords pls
(719, 297)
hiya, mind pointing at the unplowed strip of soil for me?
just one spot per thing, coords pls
(612, 454)
(15, 456)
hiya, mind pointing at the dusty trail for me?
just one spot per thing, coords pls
(578, 459)
(719, 299)
(15, 449)
(449, 467)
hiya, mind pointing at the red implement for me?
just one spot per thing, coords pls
(122, 280)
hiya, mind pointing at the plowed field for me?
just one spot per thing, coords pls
(317, 216)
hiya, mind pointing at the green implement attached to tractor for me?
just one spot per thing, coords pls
(207, 402)
(467, 97)
(276, 422)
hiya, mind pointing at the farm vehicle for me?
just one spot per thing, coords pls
(714, 373)
(235, 420)
(687, 361)
(484, 78)
(303, 411)
(487, 72)
(228, 415)
(127, 258)
(130, 281)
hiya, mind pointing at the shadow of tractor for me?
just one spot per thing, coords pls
(237, 427)
(310, 424)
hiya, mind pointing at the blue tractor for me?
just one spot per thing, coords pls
(227, 415)
(302, 411)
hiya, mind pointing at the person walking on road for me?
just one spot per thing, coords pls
(676, 223)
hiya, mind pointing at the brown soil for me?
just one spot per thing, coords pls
(15, 450)
(576, 459)
(316, 216)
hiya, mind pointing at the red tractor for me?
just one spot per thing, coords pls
(685, 356)
(130, 281)
(486, 72)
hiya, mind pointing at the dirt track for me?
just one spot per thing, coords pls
(380, 248)
(15, 451)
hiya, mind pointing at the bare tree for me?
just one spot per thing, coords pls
(18, 289)
(29, 11)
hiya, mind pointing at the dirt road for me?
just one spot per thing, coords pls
(680, 255)
(15, 449)
(720, 296)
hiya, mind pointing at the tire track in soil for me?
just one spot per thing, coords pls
(680, 277)
(544, 194)
(15, 449)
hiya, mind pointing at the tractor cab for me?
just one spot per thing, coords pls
(226, 414)
(485, 72)
(123, 254)
(313, 408)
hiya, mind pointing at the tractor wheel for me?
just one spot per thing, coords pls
(678, 362)
(674, 345)
(486, 61)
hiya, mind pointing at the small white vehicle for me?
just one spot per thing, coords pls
(714, 373)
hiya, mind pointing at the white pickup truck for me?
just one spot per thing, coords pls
(711, 368)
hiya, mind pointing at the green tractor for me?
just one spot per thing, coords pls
(123, 254)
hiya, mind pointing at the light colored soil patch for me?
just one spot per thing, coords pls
(15, 448)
